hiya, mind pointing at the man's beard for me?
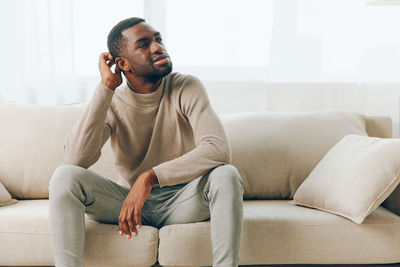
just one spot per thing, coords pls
(157, 74)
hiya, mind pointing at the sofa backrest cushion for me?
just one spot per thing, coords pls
(32, 146)
(274, 152)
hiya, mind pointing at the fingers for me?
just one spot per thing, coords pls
(130, 215)
(131, 223)
(127, 222)
(122, 224)
(109, 78)
(137, 217)
(125, 229)
(115, 70)
(106, 56)
(109, 63)
(106, 59)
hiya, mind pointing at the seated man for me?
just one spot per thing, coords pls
(168, 143)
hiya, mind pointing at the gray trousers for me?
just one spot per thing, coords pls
(74, 191)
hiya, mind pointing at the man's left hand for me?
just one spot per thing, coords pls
(130, 215)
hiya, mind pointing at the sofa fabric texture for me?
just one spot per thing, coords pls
(32, 140)
(25, 225)
(274, 153)
(270, 156)
(277, 232)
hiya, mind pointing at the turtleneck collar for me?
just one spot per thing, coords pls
(143, 100)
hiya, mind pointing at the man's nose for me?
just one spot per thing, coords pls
(156, 47)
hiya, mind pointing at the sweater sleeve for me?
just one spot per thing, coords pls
(94, 127)
(212, 147)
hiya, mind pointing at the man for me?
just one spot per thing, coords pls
(168, 143)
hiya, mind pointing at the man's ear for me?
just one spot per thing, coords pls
(122, 64)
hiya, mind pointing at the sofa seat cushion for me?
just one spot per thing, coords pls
(25, 226)
(276, 232)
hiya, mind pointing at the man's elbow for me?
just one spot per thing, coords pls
(224, 154)
(83, 162)
(76, 162)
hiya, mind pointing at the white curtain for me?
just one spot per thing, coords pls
(38, 44)
(286, 41)
(50, 48)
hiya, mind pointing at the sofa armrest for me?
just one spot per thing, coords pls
(392, 203)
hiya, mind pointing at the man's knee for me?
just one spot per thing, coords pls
(226, 177)
(65, 178)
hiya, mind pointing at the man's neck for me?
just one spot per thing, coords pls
(143, 87)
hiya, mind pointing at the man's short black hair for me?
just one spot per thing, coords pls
(115, 40)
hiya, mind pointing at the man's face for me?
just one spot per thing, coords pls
(145, 52)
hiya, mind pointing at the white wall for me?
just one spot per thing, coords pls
(368, 99)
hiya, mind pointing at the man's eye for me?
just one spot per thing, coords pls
(159, 40)
(143, 45)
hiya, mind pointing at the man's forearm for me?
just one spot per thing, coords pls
(193, 164)
(84, 143)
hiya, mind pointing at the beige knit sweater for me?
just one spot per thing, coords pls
(173, 130)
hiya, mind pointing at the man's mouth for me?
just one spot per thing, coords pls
(161, 59)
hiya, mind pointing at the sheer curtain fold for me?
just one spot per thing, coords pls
(42, 56)
(50, 48)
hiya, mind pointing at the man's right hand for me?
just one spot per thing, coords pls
(110, 79)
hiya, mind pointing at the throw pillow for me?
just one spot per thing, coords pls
(353, 178)
(5, 197)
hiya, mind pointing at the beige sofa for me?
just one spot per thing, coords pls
(274, 153)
